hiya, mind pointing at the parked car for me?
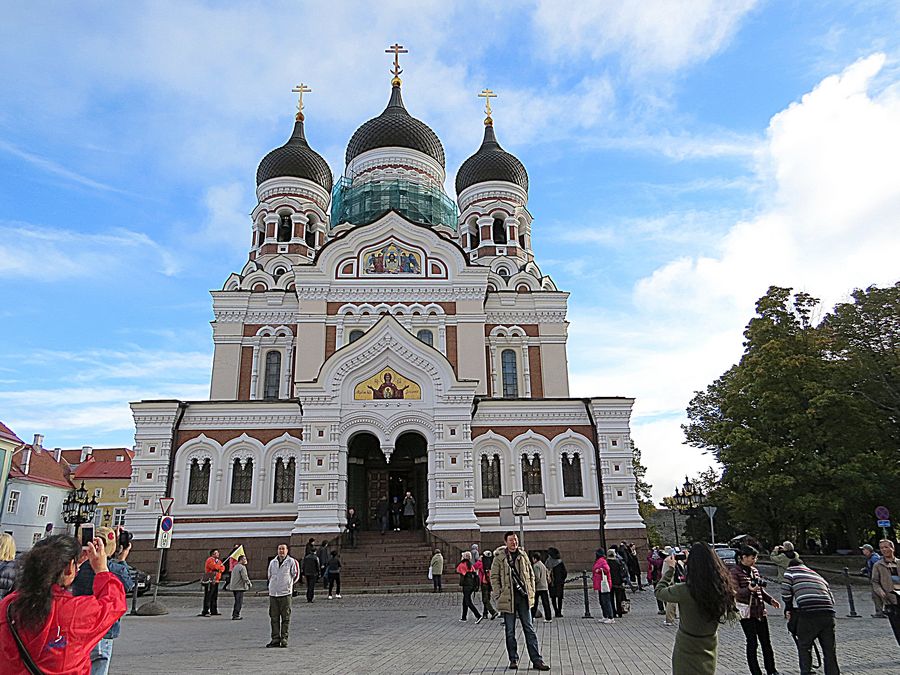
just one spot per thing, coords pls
(141, 580)
(727, 556)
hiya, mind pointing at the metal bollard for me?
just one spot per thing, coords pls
(852, 614)
(587, 599)
(134, 597)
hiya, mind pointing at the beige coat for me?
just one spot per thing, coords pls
(501, 579)
(882, 585)
(437, 565)
(541, 578)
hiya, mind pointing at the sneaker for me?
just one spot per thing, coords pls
(330, 597)
(479, 619)
(668, 623)
(463, 619)
(610, 621)
(274, 643)
(494, 616)
(283, 644)
(540, 665)
(338, 596)
(513, 665)
(548, 620)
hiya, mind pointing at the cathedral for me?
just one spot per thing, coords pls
(384, 338)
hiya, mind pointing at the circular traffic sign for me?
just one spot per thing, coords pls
(882, 513)
(166, 523)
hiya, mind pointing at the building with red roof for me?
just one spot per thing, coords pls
(9, 443)
(106, 474)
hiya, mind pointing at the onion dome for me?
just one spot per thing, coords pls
(395, 127)
(295, 159)
(490, 163)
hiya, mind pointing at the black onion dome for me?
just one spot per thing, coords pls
(395, 127)
(296, 159)
(491, 162)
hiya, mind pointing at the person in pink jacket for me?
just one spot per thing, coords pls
(603, 585)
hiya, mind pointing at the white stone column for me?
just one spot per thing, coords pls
(526, 369)
(254, 372)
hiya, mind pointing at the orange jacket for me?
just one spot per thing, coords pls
(214, 566)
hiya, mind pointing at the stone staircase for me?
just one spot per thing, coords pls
(396, 562)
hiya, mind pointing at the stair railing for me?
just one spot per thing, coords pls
(450, 551)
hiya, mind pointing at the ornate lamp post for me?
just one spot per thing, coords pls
(690, 497)
(78, 509)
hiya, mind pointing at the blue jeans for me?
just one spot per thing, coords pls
(520, 605)
(100, 657)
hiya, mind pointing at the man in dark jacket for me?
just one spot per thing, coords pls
(310, 569)
(322, 555)
(383, 512)
(352, 527)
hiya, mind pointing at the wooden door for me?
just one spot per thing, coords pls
(377, 487)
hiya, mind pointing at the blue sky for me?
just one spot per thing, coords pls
(682, 157)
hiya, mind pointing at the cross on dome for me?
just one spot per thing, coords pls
(487, 95)
(396, 49)
(300, 89)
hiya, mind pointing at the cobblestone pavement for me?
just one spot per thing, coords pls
(420, 633)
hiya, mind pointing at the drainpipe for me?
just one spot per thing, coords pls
(182, 408)
(590, 414)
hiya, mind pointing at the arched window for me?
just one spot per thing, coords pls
(522, 240)
(510, 374)
(490, 477)
(271, 384)
(499, 230)
(198, 482)
(426, 336)
(279, 271)
(474, 234)
(285, 228)
(310, 233)
(571, 472)
(241, 481)
(355, 335)
(258, 237)
(531, 475)
(504, 273)
(284, 481)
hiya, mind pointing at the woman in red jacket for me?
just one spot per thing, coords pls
(57, 630)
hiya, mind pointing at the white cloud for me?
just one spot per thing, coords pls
(55, 169)
(228, 221)
(650, 35)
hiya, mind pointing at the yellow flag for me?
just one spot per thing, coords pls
(238, 552)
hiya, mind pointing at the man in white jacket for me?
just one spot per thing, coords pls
(284, 572)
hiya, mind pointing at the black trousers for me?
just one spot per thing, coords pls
(436, 580)
(557, 601)
(210, 598)
(310, 588)
(757, 633)
(893, 614)
(238, 602)
(812, 626)
(468, 604)
(334, 580)
(352, 536)
(544, 598)
(618, 599)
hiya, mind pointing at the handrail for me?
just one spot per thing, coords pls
(448, 550)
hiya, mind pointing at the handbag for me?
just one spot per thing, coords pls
(626, 606)
(28, 662)
(430, 573)
(604, 585)
(743, 609)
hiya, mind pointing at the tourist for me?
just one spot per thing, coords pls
(323, 557)
(409, 510)
(352, 527)
(809, 609)
(437, 570)
(871, 558)
(541, 588)
(634, 565)
(240, 584)
(654, 573)
(680, 570)
(557, 569)
(283, 573)
(310, 547)
(310, 570)
(476, 554)
(886, 584)
(513, 579)
(782, 556)
(396, 510)
(619, 574)
(8, 566)
(483, 566)
(706, 599)
(333, 570)
(101, 654)
(382, 512)
(468, 580)
(230, 562)
(58, 630)
(603, 586)
(212, 575)
(751, 598)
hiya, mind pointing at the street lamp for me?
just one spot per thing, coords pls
(77, 509)
(672, 504)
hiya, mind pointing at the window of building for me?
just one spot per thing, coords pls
(241, 481)
(152, 449)
(284, 481)
(499, 231)
(503, 272)
(198, 482)
(279, 272)
(531, 475)
(285, 228)
(98, 492)
(310, 236)
(355, 335)
(510, 374)
(522, 240)
(271, 384)
(42, 505)
(571, 472)
(426, 336)
(36, 537)
(12, 504)
(490, 477)
(118, 517)
(123, 492)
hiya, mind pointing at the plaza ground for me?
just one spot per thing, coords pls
(420, 633)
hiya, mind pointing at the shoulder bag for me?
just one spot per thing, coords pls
(27, 661)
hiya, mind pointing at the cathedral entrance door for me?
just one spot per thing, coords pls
(367, 478)
(409, 473)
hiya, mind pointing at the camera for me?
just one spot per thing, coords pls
(125, 538)
(680, 555)
(758, 582)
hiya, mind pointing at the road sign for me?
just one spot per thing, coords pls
(165, 503)
(164, 532)
(884, 523)
(519, 503)
(882, 513)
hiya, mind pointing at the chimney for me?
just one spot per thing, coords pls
(26, 458)
(38, 441)
(57, 453)
(86, 451)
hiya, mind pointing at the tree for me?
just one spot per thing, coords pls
(642, 490)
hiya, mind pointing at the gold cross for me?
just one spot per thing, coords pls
(300, 89)
(487, 95)
(396, 49)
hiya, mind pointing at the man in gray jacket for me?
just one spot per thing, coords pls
(284, 572)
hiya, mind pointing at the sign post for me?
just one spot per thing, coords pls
(520, 509)
(884, 522)
(164, 527)
(711, 512)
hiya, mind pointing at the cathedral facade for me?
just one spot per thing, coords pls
(381, 339)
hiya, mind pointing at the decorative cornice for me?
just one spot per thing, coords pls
(361, 289)
(226, 421)
(254, 316)
(525, 317)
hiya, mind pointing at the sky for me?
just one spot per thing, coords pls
(683, 156)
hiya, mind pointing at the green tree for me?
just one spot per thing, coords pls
(644, 495)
